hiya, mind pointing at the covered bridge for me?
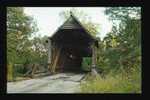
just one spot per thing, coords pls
(68, 45)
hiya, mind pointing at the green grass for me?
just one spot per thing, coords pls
(113, 84)
(10, 72)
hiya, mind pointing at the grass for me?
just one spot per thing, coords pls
(113, 84)
(10, 72)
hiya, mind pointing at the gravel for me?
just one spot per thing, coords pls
(59, 83)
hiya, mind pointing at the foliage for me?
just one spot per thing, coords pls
(123, 13)
(20, 48)
(86, 63)
(119, 54)
(19, 28)
(113, 84)
(121, 48)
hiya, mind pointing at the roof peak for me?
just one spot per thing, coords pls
(71, 14)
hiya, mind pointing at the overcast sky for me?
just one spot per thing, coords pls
(48, 19)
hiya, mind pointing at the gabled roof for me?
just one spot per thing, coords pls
(72, 23)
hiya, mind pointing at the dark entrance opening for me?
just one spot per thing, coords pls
(74, 46)
(72, 60)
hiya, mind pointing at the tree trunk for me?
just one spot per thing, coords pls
(49, 46)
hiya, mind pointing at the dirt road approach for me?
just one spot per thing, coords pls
(59, 83)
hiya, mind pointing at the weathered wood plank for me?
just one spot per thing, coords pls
(93, 67)
(49, 51)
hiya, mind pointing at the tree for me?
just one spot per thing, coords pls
(39, 50)
(123, 13)
(122, 46)
(19, 28)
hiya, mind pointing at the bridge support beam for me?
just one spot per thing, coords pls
(94, 56)
(49, 46)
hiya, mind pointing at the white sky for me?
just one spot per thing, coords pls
(48, 19)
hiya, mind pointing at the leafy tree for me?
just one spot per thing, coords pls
(19, 28)
(39, 50)
(122, 46)
(123, 13)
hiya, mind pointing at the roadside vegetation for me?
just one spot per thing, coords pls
(119, 55)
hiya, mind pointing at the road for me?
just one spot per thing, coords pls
(59, 83)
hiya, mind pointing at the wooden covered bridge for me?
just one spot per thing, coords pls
(68, 45)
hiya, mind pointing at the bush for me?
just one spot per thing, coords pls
(86, 63)
(114, 84)
(19, 70)
(14, 71)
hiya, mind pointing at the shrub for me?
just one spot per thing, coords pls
(86, 63)
(113, 84)
(19, 70)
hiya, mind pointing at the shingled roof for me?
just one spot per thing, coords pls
(72, 23)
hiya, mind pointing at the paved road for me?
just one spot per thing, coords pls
(59, 83)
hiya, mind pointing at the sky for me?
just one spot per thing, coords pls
(48, 19)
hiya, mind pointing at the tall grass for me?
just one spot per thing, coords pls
(10, 72)
(119, 83)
